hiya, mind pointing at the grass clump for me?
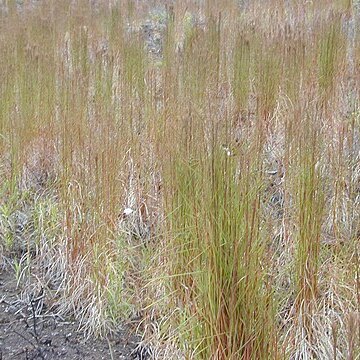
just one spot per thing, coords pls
(221, 247)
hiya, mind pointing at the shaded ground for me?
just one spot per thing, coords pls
(29, 331)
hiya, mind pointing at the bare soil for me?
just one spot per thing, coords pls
(28, 330)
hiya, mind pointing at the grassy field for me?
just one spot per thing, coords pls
(190, 167)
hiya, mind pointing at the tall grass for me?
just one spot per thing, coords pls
(193, 166)
(219, 249)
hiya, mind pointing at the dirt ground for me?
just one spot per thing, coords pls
(48, 336)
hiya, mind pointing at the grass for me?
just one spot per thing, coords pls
(192, 168)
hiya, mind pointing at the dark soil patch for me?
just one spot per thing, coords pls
(47, 335)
